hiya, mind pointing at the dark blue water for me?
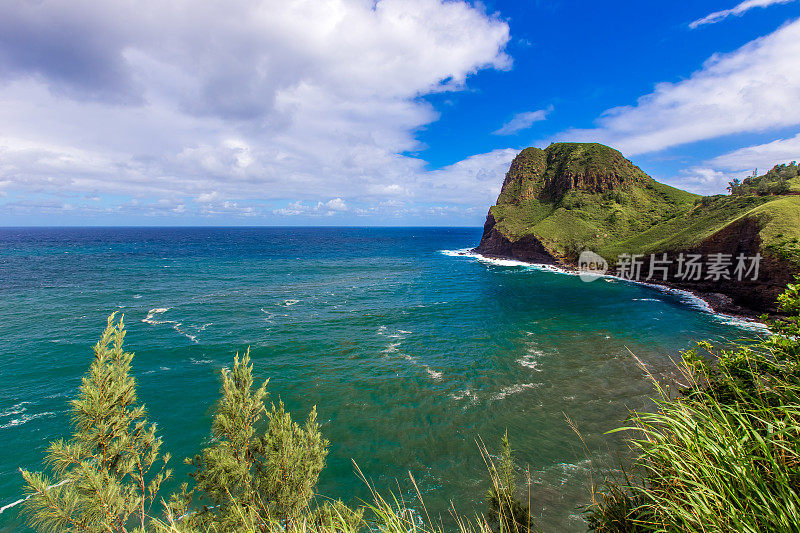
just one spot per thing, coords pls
(408, 353)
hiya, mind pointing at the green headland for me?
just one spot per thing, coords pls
(570, 197)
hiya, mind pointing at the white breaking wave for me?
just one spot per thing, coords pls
(514, 389)
(530, 361)
(466, 393)
(435, 374)
(151, 319)
(467, 252)
(394, 348)
(391, 347)
(14, 409)
(17, 415)
(687, 297)
(24, 419)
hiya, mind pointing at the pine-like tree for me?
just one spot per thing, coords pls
(102, 475)
(251, 479)
(507, 514)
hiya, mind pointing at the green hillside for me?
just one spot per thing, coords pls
(574, 196)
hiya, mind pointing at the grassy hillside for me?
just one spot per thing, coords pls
(574, 196)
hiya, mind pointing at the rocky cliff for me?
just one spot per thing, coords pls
(570, 197)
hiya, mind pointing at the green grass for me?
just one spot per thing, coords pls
(724, 453)
(638, 214)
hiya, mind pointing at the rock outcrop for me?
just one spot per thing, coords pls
(570, 197)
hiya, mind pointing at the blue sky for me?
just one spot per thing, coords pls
(356, 112)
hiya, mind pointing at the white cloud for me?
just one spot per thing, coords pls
(704, 180)
(476, 179)
(233, 100)
(522, 121)
(738, 10)
(762, 156)
(752, 89)
(331, 207)
(337, 204)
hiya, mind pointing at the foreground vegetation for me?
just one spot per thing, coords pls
(258, 474)
(722, 453)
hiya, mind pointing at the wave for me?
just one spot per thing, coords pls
(150, 318)
(160, 369)
(14, 409)
(176, 325)
(687, 297)
(514, 389)
(530, 361)
(394, 348)
(468, 252)
(391, 347)
(466, 393)
(435, 374)
(24, 419)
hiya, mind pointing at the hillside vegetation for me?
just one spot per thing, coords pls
(575, 196)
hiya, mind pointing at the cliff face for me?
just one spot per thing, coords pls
(551, 173)
(571, 197)
(527, 248)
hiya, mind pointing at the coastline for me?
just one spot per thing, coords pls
(709, 303)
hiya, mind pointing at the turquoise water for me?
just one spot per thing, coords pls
(410, 354)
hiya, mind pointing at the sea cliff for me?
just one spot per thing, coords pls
(558, 202)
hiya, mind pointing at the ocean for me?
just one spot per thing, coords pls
(411, 352)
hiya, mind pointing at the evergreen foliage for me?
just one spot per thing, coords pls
(252, 477)
(107, 476)
(506, 513)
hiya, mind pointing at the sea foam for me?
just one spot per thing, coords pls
(514, 389)
(152, 314)
(687, 297)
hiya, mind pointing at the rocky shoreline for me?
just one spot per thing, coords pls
(714, 302)
(749, 299)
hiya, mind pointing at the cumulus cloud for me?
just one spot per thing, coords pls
(331, 207)
(762, 156)
(704, 180)
(738, 10)
(237, 101)
(749, 90)
(522, 121)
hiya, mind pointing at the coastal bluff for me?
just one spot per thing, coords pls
(558, 202)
